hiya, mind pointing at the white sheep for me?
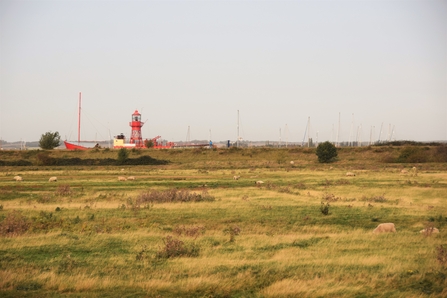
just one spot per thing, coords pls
(131, 178)
(18, 178)
(350, 174)
(52, 179)
(259, 182)
(121, 178)
(236, 177)
(428, 231)
(385, 228)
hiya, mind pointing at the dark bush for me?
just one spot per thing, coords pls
(324, 208)
(50, 140)
(123, 155)
(326, 152)
(15, 163)
(412, 154)
(44, 159)
(441, 154)
(144, 160)
(29, 286)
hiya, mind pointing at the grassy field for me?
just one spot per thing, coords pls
(185, 228)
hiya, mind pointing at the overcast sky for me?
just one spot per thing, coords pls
(354, 68)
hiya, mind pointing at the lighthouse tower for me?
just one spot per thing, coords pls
(135, 135)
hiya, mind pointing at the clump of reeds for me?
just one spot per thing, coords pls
(174, 196)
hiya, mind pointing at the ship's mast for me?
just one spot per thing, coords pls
(237, 141)
(79, 119)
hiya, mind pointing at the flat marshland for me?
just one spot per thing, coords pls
(186, 228)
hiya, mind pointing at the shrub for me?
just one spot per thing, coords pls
(176, 248)
(326, 152)
(324, 208)
(50, 140)
(172, 196)
(233, 231)
(45, 221)
(412, 154)
(194, 231)
(123, 156)
(14, 224)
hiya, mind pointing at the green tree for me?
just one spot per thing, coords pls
(326, 152)
(50, 140)
(148, 143)
(123, 155)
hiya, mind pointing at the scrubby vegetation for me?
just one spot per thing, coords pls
(185, 228)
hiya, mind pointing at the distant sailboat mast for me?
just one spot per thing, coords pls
(380, 133)
(188, 136)
(307, 132)
(79, 119)
(338, 131)
(238, 136)
(279, 144)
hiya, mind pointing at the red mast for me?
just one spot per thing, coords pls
(135, 134)
(79, 119)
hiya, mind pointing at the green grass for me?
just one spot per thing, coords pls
(94, 241)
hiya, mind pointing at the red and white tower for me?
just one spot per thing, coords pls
(135, 135)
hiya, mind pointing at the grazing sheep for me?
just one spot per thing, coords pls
(385, 228)
(259, 182)
(131, 178)
(18, 178)
(350, 174)
(236, 177)
(404, 172)
(428, 231)
(52, 179)
(292, 162)
(121, 178)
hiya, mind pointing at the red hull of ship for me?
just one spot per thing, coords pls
(71, 146)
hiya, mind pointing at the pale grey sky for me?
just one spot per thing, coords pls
(196, 63)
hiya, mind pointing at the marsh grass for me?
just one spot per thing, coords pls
(244, 241)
